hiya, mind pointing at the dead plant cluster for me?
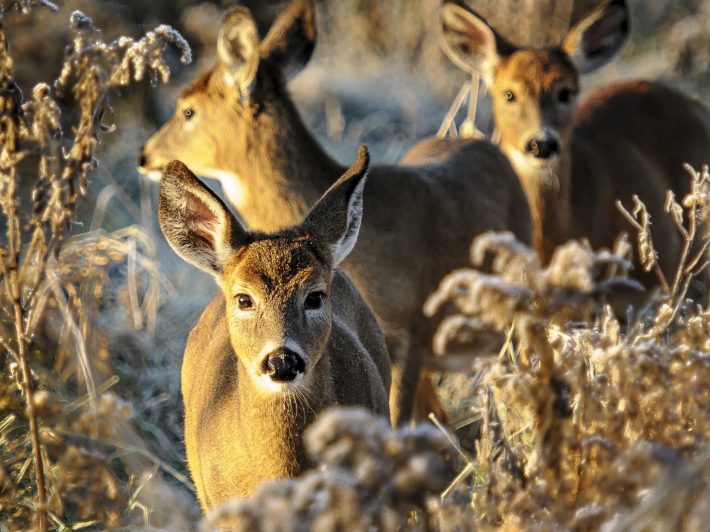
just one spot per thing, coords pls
(57, 431)
(588, 426)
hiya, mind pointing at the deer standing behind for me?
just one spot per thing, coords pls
(575, 160)
(237, 123)
(289, 336)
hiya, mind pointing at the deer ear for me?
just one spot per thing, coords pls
(195, 222)
(470, 42)
(597, 38)
(238, 49)
(292, 37)
(336, 217)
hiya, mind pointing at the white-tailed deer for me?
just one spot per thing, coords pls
(236, 123)
(289, 336)
(575, 160)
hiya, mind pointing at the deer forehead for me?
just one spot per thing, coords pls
(207, 88)
(536, 71)
(279, 266)
(200, 85)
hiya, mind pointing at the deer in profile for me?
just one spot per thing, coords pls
(237, 123)
(575, 159)
(289, 335)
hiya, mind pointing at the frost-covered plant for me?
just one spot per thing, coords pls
(520, 288)
(32, 136)
(585, 421)
(367, 476)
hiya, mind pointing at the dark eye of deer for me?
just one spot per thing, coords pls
(189, 113)
(314, 300)
(509, 96)
(244, 302)
(564, 96)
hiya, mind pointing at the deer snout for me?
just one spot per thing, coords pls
(142, 158)
(543, 146)
(147, 166)
(283, 365)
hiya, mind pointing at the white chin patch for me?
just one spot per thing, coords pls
(526, 165)
(151, 174)
(266, 385)
(551, 161)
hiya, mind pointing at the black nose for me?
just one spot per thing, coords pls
(543, 148)
(283, 365)
(141, 158)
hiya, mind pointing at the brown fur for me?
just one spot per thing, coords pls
(624, 139)
(241, 428)
(419, 219)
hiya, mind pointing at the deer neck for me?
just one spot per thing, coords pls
(549, 195)
(282, 172)
(271, 426)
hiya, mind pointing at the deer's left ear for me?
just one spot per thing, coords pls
(597, 38)
(292, 38)
(335, 219)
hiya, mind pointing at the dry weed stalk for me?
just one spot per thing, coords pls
(582, 424)
(693, 261)
(32, 132)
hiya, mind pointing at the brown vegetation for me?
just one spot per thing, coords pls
(31, 258)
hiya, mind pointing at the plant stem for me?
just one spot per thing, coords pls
(23, 353)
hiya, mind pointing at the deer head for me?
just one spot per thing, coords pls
(276, 286)
(235, 107)
(534, 91)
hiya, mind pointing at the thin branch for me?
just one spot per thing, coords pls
(641, 230)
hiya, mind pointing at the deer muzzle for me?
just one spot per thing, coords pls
(283, 365)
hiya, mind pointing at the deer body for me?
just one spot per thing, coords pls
(420, 218)
(236, 438)
(575, 160)
(289, 335)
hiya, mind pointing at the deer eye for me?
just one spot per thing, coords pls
(188, 113)
(564, 96)
(314, 300)
(244, 302)
(509, 96)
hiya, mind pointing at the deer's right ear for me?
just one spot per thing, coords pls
(470, 42)
(336, 217)
(238, 49)
(195, 222)
(292, 37)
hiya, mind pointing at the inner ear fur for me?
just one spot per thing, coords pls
(470, 42)
(238, 48)
(195, 222)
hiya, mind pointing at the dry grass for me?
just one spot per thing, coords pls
(581, 421)
(51, 470)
